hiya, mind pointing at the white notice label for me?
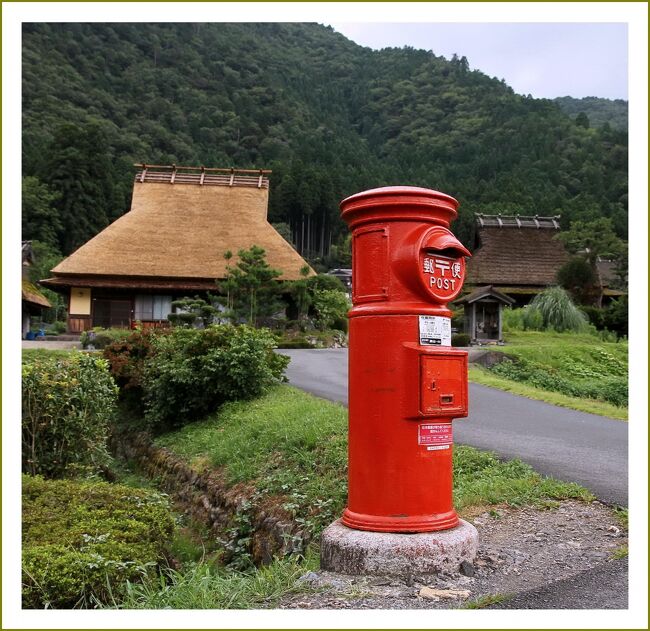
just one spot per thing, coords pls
(435, 330)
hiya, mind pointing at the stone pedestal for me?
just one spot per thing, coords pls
(349, 551)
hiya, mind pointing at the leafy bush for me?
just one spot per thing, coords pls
(331, 307)
(616, 316)
(100, 338)
(576, 379)
(595, 315)
(322, 282)
(612, 318)
(192, 372)
(460, 339)
(512, 319)
(82, 541)
(126, 359)
(296, 342)
(56, 328)
(557, 310)
(532, 319)
(67, 405)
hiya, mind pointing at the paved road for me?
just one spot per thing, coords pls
(602, 587)
(569, 445)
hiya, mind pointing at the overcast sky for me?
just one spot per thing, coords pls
(542, 59)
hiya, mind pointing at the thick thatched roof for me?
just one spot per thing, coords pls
(179, 227)
(516, 251)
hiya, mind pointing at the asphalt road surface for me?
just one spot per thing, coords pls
(571, 446)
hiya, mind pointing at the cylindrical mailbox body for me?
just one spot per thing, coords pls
(406, 383)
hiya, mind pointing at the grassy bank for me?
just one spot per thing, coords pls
(484, 377)
(578, 371)
(293, 444)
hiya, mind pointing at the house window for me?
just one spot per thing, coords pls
(152, 307)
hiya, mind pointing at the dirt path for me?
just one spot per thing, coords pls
(521, 550)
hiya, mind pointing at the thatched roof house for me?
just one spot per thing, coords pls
(518, 256)
(172, 242)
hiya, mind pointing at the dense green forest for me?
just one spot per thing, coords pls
(329, 117)
(598, 111)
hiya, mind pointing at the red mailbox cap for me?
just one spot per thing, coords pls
(403, 200)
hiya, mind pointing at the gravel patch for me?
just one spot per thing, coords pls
(520, 550)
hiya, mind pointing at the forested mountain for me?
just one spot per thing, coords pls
(329, 117)
(598, 111)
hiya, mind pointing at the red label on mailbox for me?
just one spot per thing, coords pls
(442, 276)
(435, 436)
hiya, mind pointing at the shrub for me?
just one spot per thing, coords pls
(56, 328)
(616, 316)
(67, 405)
(322, 282)
(126, 357)
(296, 342)
(331, 307)
(558, 311)
(100, 338)
(460, 339)
(595, 315)
(532, 319)
(576, 380)
(82, 541)
(512, 319)
(192, 372)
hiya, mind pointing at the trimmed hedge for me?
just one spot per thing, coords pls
(460, 339)
(83, 540)
(101, 338)
(67, 406)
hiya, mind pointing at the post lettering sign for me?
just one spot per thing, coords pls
(442, 276)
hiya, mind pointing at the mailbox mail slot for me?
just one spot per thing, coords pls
(442, 385)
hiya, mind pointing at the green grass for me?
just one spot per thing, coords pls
(620, 553)
(485, 601)
(206, 586)
(293, 444)
(484, 377)
(578, 371)
(621, 515)
(29, 354)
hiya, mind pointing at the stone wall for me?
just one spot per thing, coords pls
(234, 513)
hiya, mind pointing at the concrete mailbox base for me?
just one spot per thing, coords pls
(349, 551)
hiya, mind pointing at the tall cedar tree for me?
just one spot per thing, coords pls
(40, 217)
(80, 173)
(592, 240)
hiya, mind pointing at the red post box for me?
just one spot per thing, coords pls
(406, 383)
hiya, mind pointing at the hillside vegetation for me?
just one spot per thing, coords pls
(329, 117)
(598, 111)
